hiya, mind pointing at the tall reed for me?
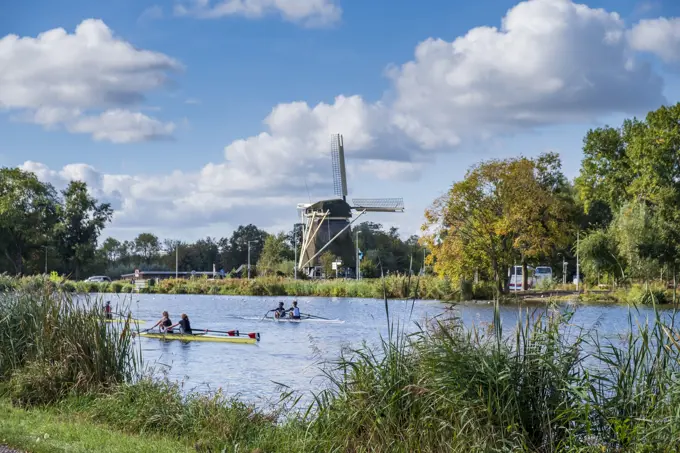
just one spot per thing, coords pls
(52, 344)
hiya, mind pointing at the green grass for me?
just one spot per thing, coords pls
(43, 431)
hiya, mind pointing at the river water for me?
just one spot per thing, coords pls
(289, 355)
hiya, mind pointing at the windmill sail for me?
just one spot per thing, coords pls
(378, 204)
(338, 158)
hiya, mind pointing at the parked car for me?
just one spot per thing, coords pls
(543, 273)
(99, 279)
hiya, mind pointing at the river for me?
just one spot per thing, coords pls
(291, 354)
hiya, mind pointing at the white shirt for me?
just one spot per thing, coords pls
(296, 311)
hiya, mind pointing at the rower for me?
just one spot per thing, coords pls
(107, 310)
(165, 324)
(279, 311)
(294, 311)
(184, 324)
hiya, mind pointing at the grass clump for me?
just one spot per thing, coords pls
(52, 345)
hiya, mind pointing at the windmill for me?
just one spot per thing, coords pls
(326, 223)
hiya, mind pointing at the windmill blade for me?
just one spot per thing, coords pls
(338, 158)
(378, 204)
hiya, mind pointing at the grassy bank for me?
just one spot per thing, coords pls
(393, 287)
(542, 385)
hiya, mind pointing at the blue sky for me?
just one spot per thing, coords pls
(222, 76)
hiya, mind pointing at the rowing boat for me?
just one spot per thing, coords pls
(328, 321)
(199, 337)
(119, 320)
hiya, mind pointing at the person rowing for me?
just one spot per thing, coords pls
(184, 325)
(294, 311)
(164, 324)
(279, 311)
(107, 310)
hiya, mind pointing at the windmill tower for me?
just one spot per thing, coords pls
(326, 223)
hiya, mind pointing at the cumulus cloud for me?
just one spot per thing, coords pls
(57, 77)
(549, 62)
(658, 36)
(312, 13)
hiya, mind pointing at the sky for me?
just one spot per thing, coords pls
(192, 117)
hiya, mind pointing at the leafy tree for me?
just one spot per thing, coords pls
(501, 211)
(147, 246)
(326, 259)
(599, 255)
(111, 249)
(28, 213)
(368, 268)
(274, 252)
(236, 251)
(81, 220)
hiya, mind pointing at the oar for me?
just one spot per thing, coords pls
(231, 333)
(312, 316)
(265, 315)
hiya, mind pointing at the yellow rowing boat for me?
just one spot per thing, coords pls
(199, 337)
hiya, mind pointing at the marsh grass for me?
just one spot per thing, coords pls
(52, 344)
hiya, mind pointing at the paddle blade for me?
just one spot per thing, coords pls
(254, 335)
(231, 333)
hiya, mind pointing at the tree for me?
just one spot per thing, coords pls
(274, 253)
(81, 220)
(326, 259)
(111, 249)
(237, 250)
(502, 211)
(28, 213)
(147, 246)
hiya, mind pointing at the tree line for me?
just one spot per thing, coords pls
(45, 230)
(621, 214)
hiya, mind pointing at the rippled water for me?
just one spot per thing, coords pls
(291, 353)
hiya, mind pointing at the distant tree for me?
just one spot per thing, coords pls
(147, 246)
(81, 220)
(237, 251)
(28, 213)
(327, 258)
(274, 253)
(111, 248)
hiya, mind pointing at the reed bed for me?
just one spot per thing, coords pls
(52, 345)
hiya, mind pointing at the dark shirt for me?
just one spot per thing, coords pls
(185, 325)
(167, 323)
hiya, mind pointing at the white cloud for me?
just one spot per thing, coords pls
(312, 13)
(550, 62)
(122, 126)
(154, 12)
(56, 77)
(658, 36)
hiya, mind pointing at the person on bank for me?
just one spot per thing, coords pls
(184, 325)
(294, 311)
(164, 324)
(107, 310)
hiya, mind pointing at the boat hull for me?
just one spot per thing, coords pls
(201, 337)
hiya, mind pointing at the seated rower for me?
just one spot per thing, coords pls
(294, 311)
(107, 310)
(279, 311)
(184, 324)
(164, 324)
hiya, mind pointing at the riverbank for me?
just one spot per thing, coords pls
(67, 374)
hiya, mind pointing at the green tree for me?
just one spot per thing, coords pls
(28, 213)
(326, 259)
(81, 220)
(147, 246)
(503, 210)
(273, 254)
(112, 250)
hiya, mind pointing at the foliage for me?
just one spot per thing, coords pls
(273, 253)
(28, 212)
(503, 211)
(81, 220)
(327, 259)
(147, 246)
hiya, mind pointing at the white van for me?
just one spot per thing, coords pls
(515, 274)
(543, 273)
